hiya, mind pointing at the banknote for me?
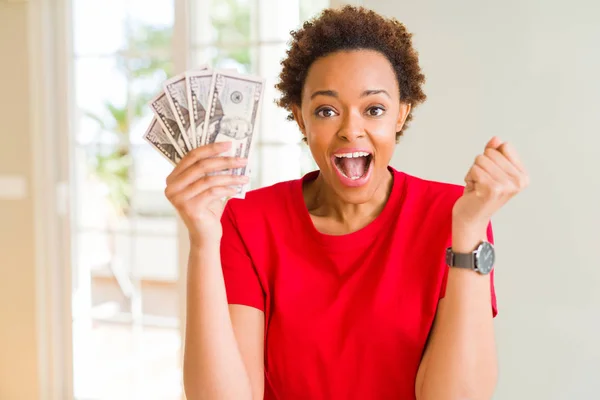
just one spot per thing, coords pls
(159, 140)
(233, 115)
(200, 107)
(167, 120)
(177, 95)
(198, 88)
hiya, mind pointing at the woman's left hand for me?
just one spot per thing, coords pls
(495, 177)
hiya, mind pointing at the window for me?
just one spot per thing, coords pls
(251, 36)
(125, 314)
(126, 320)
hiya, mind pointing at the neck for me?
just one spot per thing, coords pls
(324, 203)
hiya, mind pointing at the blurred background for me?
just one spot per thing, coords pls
(92, 255)
(126, 310)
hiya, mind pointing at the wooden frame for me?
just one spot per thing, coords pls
(50, 84)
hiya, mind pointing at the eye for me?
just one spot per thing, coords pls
(325, 112)
(375, 111)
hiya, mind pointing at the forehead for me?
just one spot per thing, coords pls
(351, 72)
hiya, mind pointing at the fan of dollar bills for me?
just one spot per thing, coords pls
(204, 106)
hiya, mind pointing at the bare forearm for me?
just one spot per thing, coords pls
(461, 362)
(213, 366)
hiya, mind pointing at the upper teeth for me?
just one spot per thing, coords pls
(352, 155)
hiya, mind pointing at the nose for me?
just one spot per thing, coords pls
(352, 127)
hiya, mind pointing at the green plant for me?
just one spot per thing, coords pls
(145, 56)
(231, 21)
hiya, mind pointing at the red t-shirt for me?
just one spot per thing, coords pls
(346, 317)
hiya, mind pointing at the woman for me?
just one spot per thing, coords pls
(336, 285)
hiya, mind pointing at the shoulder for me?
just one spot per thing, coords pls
(270, 200)
(430, 195)
(433, 188)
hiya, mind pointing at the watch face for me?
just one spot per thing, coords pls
(486, 258)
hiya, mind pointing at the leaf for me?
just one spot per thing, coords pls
(101, 123)
(120, 117)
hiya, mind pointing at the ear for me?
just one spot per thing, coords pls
(298, 117)
(402, 115)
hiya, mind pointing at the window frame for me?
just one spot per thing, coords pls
(49, 26)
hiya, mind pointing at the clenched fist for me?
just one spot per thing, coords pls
(494, 178)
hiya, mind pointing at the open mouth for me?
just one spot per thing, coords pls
(353, 165)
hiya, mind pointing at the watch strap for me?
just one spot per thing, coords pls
(460, 260)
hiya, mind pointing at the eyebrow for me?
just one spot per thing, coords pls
(375, 91)
(330, 93)
(333, 93)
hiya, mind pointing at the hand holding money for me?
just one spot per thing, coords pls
(205, 106)
(195, 188)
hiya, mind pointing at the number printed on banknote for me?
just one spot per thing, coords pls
(198, 89)
(235, 102)
(161, 108)
(159, 140)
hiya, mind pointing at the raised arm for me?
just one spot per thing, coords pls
(223, 344)
(460, 359)
(223, 356)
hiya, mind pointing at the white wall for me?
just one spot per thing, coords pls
(529, 72)
(18, 344)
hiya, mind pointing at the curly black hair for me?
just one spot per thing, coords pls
(345, 29)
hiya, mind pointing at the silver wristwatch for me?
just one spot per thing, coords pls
(481, 260)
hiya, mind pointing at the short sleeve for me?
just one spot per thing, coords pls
(490, 236)
(242, 282)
